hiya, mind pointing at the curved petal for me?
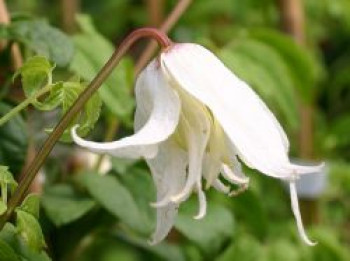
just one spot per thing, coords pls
(296, 212)
(255, 132)
(195, 127)
(169, 174)
(157, 115)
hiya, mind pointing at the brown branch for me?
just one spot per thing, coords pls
(293, 22)
(167, 25)
(156, 12)
(69, 8)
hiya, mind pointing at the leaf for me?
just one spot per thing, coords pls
(67, 93)
(10, 236)
(31, 205)
(75, 204)
(6, 177)
(30, 230)
(115, 198)
(43, 39)
(13, 142)
(207, 233)
(7, 253)
(35, 73)
(302, 66)
(87, 62)
(270, 76)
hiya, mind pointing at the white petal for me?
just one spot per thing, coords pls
(156, 117)
(259, 139)
(169, 173)
(195, 125)
(202, 202)
(296, 212)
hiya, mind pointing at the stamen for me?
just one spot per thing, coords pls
(202, 202)
(242, 188)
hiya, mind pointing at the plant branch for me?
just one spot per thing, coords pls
(50, 142)
(8, 116)
(170, 21)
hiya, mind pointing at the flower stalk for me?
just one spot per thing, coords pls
(40, 158)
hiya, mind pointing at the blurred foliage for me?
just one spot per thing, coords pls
(88, 216)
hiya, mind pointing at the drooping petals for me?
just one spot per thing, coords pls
(168, 170)
(296, 212)
(255, 132)
(156, 117)
(195, 126)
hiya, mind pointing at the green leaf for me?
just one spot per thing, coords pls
(114, 197)
(31, 205)
(67, 93)
(207, 233)
(30, 230)
(13, 142)
(75, 204)
(302, 66)
(6, 177)
(7, 253)
(265, 70)
(10, 236)
(87, 62)
(43, 39)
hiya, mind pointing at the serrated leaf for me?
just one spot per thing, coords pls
(31, 205)
(207, 233)
(114, 197)
(30, 230)
(266, 72)
(87, 62)
(75, 204)
(67, 93)
(7, 253)
(13, 142)
(43, 39)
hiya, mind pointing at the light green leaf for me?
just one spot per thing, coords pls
(30, 230)
(31, 205)
(265, 70)
(7, 253)
(43, 39)
(115, 198)
(75, 204)
(6, 176)
(207, 233)
(87, 62)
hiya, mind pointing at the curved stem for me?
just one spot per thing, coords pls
(34, 167)
(8, 116)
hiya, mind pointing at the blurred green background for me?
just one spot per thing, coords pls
(297, 57)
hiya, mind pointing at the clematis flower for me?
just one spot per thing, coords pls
(195, 120)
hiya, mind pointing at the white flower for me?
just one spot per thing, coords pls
(195, 119)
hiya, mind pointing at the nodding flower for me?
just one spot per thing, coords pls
(196, 120)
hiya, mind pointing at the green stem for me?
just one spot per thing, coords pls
(8, 116)
(36, 164)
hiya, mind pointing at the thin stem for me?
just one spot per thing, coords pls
(34, 167)
(170, 21)
(8, 116)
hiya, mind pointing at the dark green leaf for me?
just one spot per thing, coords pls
(207, 233)
(43, 39)
(31, 205)
(87, 62)
(13, 142)
(30, 230)
(64, 205)
(7, 253)
(115, 198)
